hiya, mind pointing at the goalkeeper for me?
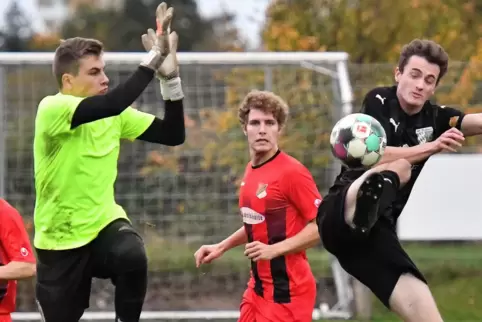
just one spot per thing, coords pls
(80, 231)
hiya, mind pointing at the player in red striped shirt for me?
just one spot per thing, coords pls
(17, 260)
(278, 199)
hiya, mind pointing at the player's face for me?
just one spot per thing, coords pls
(262, 131)
(90, 80)
(417, 82)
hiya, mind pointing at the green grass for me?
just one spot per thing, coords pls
(454, 272)
(459, 300)
(169, 255)
(455, 277)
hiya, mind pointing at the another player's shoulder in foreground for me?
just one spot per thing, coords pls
(6, 209)
(10, 218)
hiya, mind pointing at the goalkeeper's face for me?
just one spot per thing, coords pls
(262, 131)
(90, 80)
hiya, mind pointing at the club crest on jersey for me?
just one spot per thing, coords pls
(261, 192)
(424, 135)
(251, 217)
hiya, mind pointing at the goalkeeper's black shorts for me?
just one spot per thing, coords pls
(377, 260)
(64, 277)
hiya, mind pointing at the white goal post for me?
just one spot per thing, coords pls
(305, 59)
(331, 64)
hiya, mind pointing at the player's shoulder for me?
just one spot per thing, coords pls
(7, 211)
(48, 101)
(58, 101)
(441, 107)
(291, 164)
(381, 94)
(53, 100)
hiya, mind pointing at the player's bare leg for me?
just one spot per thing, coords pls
(363, 197)
(413, 302)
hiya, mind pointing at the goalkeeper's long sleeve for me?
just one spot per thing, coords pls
(170, 130)
(114, 102)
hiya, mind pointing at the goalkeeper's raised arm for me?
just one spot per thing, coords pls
(79, 69)
(171, 130)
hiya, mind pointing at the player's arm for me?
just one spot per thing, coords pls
(377, 108)
(450, 134)
(306, 238)
(146, 127)
(301, 190)
(159, 57)
(472, 124)
(469, 124)
(60, 114)
(207, 253)
(114, 102)
(170, 130)
(412, 154)
(239, 237)
(15, 241)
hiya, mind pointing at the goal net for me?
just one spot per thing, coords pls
(182, 197)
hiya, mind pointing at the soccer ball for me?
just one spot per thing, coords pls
(358, 140)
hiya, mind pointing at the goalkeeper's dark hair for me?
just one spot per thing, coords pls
(428, 49)
(265, 101)
(67, 55)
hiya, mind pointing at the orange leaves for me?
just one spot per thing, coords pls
(365, 29)
(283, 37)
(464, 89)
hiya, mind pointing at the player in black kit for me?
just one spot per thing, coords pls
(357, 218)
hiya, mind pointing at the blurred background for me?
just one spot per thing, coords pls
(183, 197)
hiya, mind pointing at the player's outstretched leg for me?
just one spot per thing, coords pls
(413, 302)
(373, 192)
(367, 203)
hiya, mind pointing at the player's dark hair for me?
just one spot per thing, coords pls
(265, 101)
(428, 49)
(67, 55)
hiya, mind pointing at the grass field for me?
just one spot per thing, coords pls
(455, 276)
(454, 271)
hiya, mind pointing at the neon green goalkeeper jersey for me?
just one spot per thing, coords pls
(75, 171)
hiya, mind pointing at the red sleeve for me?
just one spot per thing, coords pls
(300, 188)
(14, 237)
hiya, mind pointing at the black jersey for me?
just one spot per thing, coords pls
(403, 130)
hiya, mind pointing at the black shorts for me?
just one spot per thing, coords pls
(64, 277)
(377, 260)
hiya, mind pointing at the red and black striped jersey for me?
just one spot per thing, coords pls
(277, 200)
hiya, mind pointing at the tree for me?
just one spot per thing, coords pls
(17, 31)
(223, 35)
(121, 30)
(464, 89)
(99, 24)
(371, 31)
